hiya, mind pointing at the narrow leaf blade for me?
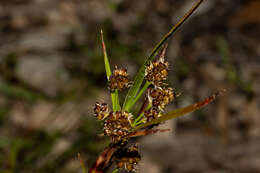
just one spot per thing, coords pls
(141, 73)
(107, 65)
(114, 95)
(181, 111)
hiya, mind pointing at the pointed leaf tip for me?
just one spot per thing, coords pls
(103, 42)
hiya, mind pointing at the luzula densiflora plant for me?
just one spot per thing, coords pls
(120, 123)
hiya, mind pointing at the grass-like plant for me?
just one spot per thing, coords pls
(120, 123)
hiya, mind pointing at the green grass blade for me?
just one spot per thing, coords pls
(114, 95)
(140, 75)
(180, 112)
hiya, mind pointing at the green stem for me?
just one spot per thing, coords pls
(146, 85)
(136, 122)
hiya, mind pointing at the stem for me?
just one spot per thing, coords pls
(103, 161)
(146, 85)
(137, 120)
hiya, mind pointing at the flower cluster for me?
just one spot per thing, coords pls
(129, 158)
(118, 126)
(157, 71)
(158, 95)
(118, 79)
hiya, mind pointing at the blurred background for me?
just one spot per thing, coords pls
(52, 73)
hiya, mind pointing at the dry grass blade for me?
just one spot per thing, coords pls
(180, 112)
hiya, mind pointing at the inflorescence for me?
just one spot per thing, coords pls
(119, 124)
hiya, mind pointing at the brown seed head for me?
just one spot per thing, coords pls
(157, 71)
(160, 97)
(118, 125)
(101, 110)
(118, 79)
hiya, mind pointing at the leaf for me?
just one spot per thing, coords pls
(140, 75)
(114, 95)
(180, 112)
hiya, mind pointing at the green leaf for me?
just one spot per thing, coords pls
(114, 95)
(180, 112)
(141, 73)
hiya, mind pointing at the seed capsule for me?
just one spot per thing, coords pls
(118, 79)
